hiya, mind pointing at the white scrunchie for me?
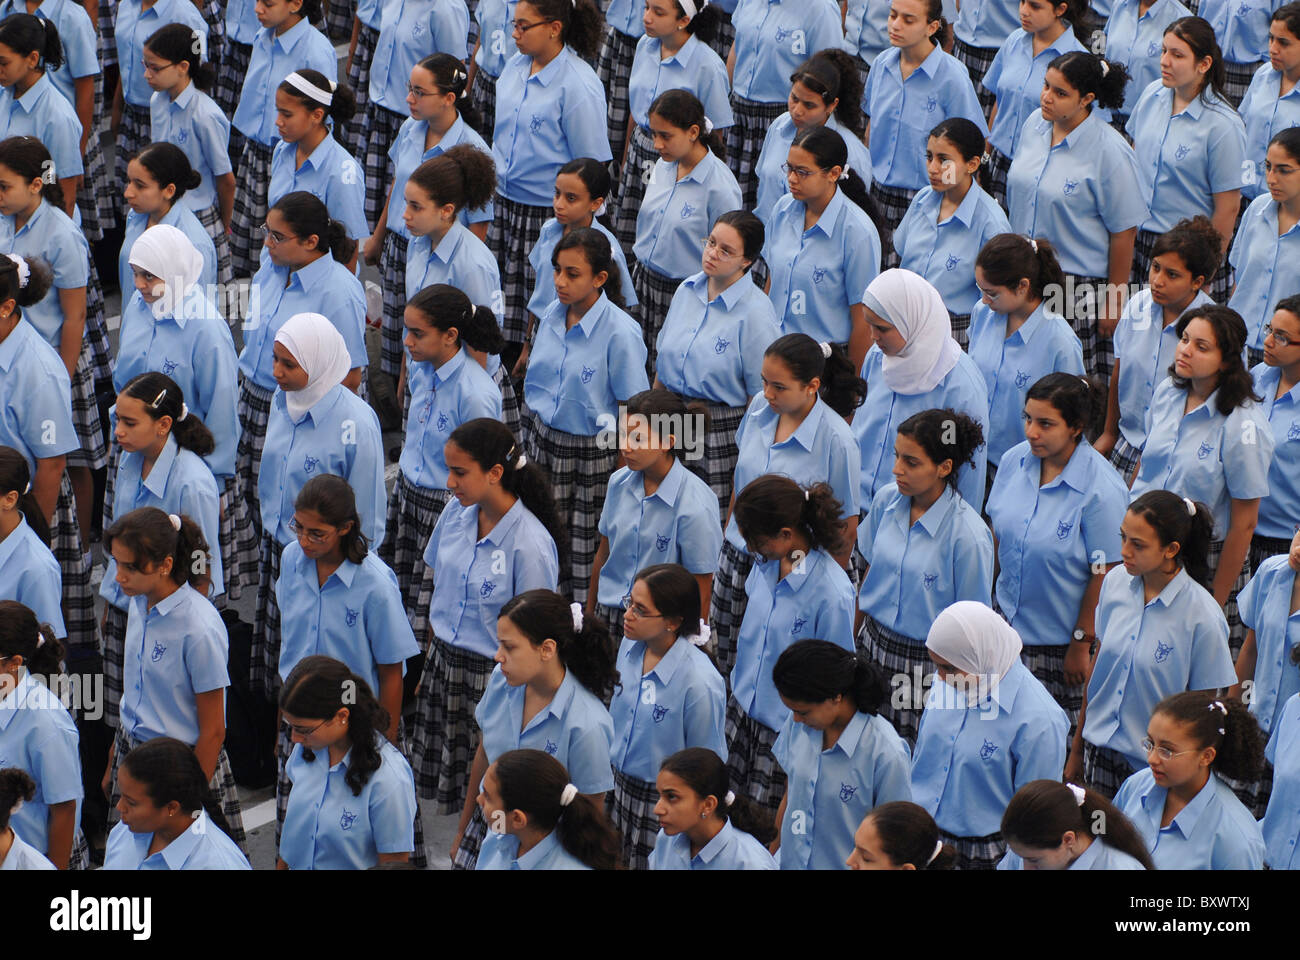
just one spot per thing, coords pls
(701, 637)
(1078, 792)
(729, 799)
(40, 639)
(1033, 243)
(938, 849)
(24, 271)
(844, 173)
(576, 609)
(826, 350)
(708, 125)
(521, 462)
(567, 794)
(176, 522)
(1191, 506)
(301, 83)
(1105, 68)
(27, 489)
(185, 412)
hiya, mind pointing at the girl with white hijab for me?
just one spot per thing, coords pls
(914, 365)
(316, 425)
(989, 728)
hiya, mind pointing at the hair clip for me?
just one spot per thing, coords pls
(576, 609)
(27, 489)
(1105, 68)
(162, 394)
(521, 462)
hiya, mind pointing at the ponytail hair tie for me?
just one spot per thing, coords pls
(708, 125)
(1033, 243)
(938, 849)
(826, 350)
(567, 794)
(805, 494)
(1105, 67)
(1191, 506)
(40, 639)
(729, 799)
(701, 636)
(185, 412)
(27, 489)
(176, 522)
(1078, 792)
(521, 462)
(845, 171)
(24, 271)
(576, 610)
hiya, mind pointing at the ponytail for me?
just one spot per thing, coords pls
(581, 24)
(343, 102)
(683, 110)
(945, 434)
(542, 615)
(1225, 724)
(28, 157)
(1172, 521)
(443, 307)
(21, 635)
(171, 772)
(534, 782)
(841, 388)
(829, 150)
(908, 834)
(450, 76)
(25, 34)
(1008, 258)
(1089, 73)
(15, 476)
(153, 538)
(39, 280)
(181, 43)
(307, 215)
(667, 415)
(332, 498)
(814, 671)
(1042, 811)
(600, 257)
(774, 502)
(162, 397)
(317, 689)
(706, 775)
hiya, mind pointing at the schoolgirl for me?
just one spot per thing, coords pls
(1271, 103)
(900, 835)
(286, 42)
(539, 820)
(1049, 825)
(822, 247)
(795, 428)
(315, 425)
(39, 737)
(588, 357)
(1242, 30)
(1134, 33)
(989, 727)
(711, 345)
(1015, 339)
(662, 668)
(1161, 632)
(703, 825)
(157, 781)
(181, 696)
(1055, 510)
(841, 757)
(673, 55)
(1187, 815)
(624, 28)
(549, 99)
(493, 48)
(555, 669)
(16, 788)
(773, 37)
(689, 187)
(1275, 380)
(1075, 181)
(28, 571)
(363, 38)
(158, 177)
(950, 221)
(913, 86)
(1279, 825)
(365, 816)
(924, 548)
(495, 540)
(1182, 261)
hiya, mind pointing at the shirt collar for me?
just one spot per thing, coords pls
(928, 66)
(497, 535)
(1187, 818)
(685, 55)
(700, 172)
(176, 853)
(290, 39)
(934, 516)
(318, 412)
(1193, 109)
(165, 606)
(551, 71)
(670, 661)
(1208, 408)
(35, 94)
(10, 543)
(17, 339)
(831, 216)
(851, 736)
(538, 854)
(156, 482)
(806, 432)
(184, 98)
(1269, 378)
(450, 242)
(589, 320)
(1166, 596)
(796, 579)
(563, 696)
(1033, 323)
(670, 487)
(318, 158)
(346, 571)
(1077, 473)
(965, 212)
(1089, 857)
(11, 704)
(1005, 690)
(312, 275)
(711, 850)
(449, 369)
(729, 297)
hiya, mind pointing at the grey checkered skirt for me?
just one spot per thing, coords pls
(133, 134)
(960, 328)
(632, 812)
(483, 95)
(228, 301)
(412, 513)
(254, 409)
(1104, 769)
(640, 161)
(230, 77)
(613, 616)
(1235, 83)
(976, 853)
(1261, 548)
(382, 125)
(751, 764)
(898, 656)
(977, 61)
(107, 21)
(996, 186)
(93, 452)
(113, 649)
(446, 736)
(727, 603)
(725, 36)
(512, 236)
(1236, 631)
(471, 842)
(717, 467)
(744, 142)
(614, 68)
(95, 196)
(238, 541)
(511, 415)
(252, 180)
(654, 294)
(338, 20)
(1098, 351)
(74, 568)
(264, 656)
(1047, 663)
(892, 202)
(354, 135)
(1254, 793)
(392, 262)
(1124, 458)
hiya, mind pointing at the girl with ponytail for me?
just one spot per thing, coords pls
(834, 698)
(900, 835)
(538, 820)
(17, 788)
(29, 573)
(495, 539)
(1049, 825)
(1181, 802)
(170, 818)
(556, 668)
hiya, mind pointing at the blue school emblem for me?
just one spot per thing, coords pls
(1293, 432)
(1022, 378)
(987, 751)
(535, 123)
(552, 747)
(720, 345)
(1163, 650)
(819, 274)
(350, 616)
(309, 463)
(1153, 49)
(443, 420)
(687, 210)
(1063, 529)
(486, 589)
(587, 373)
(347, 819)
(931, 104)
(182, 136)
(158, 651)
(799, 623)
(929, 580)
(1243, 10)
(1204, 450)
(661, 542)
(951, 262)
(782, 34)
(658, 714)
(1069, 187)
(1182, 151)
(417, 30)
(847, 792)
(169, 366)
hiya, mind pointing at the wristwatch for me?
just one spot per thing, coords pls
(1080, 637)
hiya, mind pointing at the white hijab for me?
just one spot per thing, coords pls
(321, 351)
(168, 254)
(908, 302)
(977, 641)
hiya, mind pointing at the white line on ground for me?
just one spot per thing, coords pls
(259, 815)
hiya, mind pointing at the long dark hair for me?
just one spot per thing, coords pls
(841, 388)
(1008, 258)
(533, 781)
(544, 614)
(342, 105)
(15, 784)
(176, 43)
(833, 75)
(814, 671)
(39, 279)
(829, 150)
(1224, 723)
(149, 534)
(600, 257)
(683, 110)
(1169, 517)
(15, 475)
(1079, 401)
(1235, 385)
(1199, 35)
(771, 502)
(464, 176)
(1041, 812)
(581, 23)
(451, 77)
(27, 157)
(704, 772)
(908, 834)
(162, 397)
(676, 594)
(308, 216)
(317, 689)
(1084, 72)
(168, 164)
(170, 771)
(25, 34)
(22, 635)
(443, 307)
(332, 498)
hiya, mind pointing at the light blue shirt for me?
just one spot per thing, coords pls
(829, 792)
(327, 828)
(474, 576)
(500, 851)
(195, 123)
(1016, 78)
(574, 728)
(1280, 510)
(1099, 856)
(356, 616)
(496, 41)
(1241, 27)
(773, 38)
(1186, 157)
(1049, 538)
(540, 258)
(1045, 343)
(38, 735)
(410, 31)
(695, 67)
(818, 274)
(944, 251)
(815, 600)
(134, 25)
(731, 849)
(1265, 264)
(1203, 454)
(1175, 643)
(30, 574)
(34, 394)
(1281, 823)
(158, 691)
(903, 112)
(330, 173)
(677, 212)
(339, 435)
(441, 400)
(183, 219)
(50, 236)
(919, 569)
(1135, 41)
(460, 259)
(407, 153)
(300, 47)
(1265, 110)
(680, 703)
(241, 21)
(971, 759)
(577, 377)
(821, 450)
(44, 113)
(204, 846)
(713, 348)
(866, 33)
(23, 856)
(876, 422)
(986, 23)
(370, 12)
(1214, 831)
(1265, 605)
(625, 17)
(772, 182)
(76, 35)
(543, 121)
(678, 523)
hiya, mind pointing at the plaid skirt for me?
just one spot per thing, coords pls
(93, 452)
(614, 67)
(960, 329)
(654, 294)
(1217, 289)
(227, 300)
(976, 853)
(382, 125)
(892, 203)
(229, 84)
(1104, 769)
(253, 410)
(133, 134)
(977, 61)
(392, 266)
(354, 134)
(101, 350)
(252, 179)
(1236, 631)
(1124, 458)
(78, 594)
(238, 541)
(640, 163)
(95, 196)
(1261, 548)
(264, 656)
(222, 786)
(579, 470)
(632, 812)
(113, 650)
(1237, 79)
(510, 413)
(614, 617)
(996, 171)
(751, 764)
(1098, 351)
(512, 236)
(466, 855)
(744, 140)
(717, 467)
(727, 604)
(412, 513)
(1254, 793)
(338, 20)
(214, 15)
(1047, 663)
(107, 44)
(898, 656)
(446, 736)
(483, 97)
(725, 36)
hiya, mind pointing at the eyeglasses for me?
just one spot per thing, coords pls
(421, 94)
(311, 535)
(1164, 753)
(800, 173)
(719, 249)
(638, 611)
(1281, 339)
(308, 732)
(275, 237)
(522, 26)
(155, 69)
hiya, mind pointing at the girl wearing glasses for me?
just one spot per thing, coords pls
(796, 589)
(713, 339)
(1271, 103)
(352, 803)
(688, 189)
(1049, 825)
(1181, 804)
(286, 42)
(1268, 239)
(1161, 633)
(316, 425)
(1276, 381)
(28, 570)
(495, 540)
(176, 651)
(671, 698)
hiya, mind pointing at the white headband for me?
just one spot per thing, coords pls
(24, 271)
(938, 849)
(176, 522)
(690, 9)
(185, 412)
(1191, 507)
(567, 794)
(299, 82)
(576, 608)
(1078, 792)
